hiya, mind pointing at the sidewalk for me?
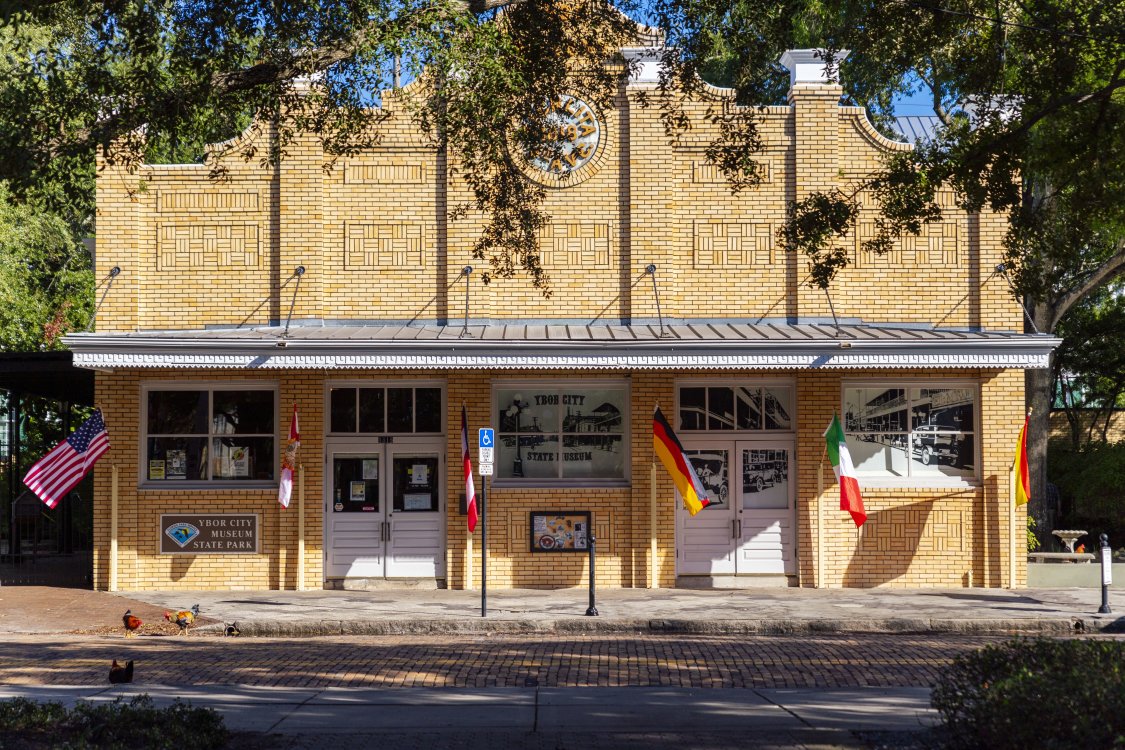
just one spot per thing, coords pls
(411, 611)
(585, 717)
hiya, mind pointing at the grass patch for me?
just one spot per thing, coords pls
(124, 725)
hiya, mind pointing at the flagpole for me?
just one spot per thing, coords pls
(653, 581)
(113, 528)
(469, 561)
(1012, 526)
(301, 527)
(820, 524)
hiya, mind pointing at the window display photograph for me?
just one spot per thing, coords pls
(711, 468)
(566, 433)
(922, 432)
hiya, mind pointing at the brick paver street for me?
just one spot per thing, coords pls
(492, 661)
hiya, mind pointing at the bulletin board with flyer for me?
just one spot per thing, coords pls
(560, 531)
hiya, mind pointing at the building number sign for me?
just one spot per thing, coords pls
(573, 141)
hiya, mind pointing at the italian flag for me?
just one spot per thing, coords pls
(850, 499)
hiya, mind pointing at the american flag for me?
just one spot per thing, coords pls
(55, 474)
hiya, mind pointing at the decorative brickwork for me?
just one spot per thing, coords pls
(379, 240)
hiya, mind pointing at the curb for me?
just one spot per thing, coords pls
(595, 626)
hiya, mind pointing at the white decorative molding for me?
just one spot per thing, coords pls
(807, 66)
(452, 360)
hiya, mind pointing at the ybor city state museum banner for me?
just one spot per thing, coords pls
(210, 533)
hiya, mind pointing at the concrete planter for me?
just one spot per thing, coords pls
(1071, 575)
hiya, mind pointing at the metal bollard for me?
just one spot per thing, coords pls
(591, 611)
(1107, 574)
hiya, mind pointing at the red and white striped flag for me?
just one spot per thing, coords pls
(467, 466)
(289, 462)
(55, 474)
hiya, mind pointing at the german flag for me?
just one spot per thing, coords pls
(671, 454)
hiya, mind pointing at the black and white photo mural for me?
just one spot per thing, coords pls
(561, 432)
(911, 431)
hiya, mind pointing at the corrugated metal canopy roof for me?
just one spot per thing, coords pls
(688, 331)
(684, 344)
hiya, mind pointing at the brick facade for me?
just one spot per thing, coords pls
(374, 236)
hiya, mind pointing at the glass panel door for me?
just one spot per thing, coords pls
(705, 542)
(355, 519)
(416, 520)
(766, 540)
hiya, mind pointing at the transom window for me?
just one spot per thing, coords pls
(385, 410)
(565, 432)
(742, 408)
(910, 430)
(210, 434)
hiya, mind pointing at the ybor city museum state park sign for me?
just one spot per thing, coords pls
(212, 533)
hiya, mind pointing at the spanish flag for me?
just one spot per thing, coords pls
(671, 454)
(1020, 475)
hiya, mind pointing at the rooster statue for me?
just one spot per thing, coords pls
(119, 674)
(184, 618)
(131, 623)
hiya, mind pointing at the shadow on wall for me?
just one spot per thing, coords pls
(889, 542)
(181, 564)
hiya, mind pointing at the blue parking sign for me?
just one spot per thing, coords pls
(487, 437)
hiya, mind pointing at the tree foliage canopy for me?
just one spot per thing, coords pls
(1030, 94)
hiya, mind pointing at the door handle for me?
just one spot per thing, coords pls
(734, 529)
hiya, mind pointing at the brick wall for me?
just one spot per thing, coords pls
(375, 236)
(914, 536)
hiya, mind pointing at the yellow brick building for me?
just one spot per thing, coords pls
(344, 293)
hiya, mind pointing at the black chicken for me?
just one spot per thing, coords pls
(119, 674)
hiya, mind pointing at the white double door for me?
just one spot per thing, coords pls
(748, 528)
(384, 509)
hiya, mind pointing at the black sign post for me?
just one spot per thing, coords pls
(592, 611)
(483, 548)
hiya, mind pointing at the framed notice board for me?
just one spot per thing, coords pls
(560, 530)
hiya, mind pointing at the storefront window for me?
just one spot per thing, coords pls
(741, 408)
(393, 410)
(897, 430)
(553, 432)
(210, 434)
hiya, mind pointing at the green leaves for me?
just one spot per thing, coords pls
(1035, 693)
(45, 278)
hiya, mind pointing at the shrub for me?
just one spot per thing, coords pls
(126, 725)
(1041, 693)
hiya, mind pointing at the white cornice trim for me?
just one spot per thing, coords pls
(913, 359)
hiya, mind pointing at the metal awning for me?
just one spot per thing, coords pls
(686, 345)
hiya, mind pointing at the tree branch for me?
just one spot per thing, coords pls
(939, 110)
(1051, 107)
(1112, 267)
